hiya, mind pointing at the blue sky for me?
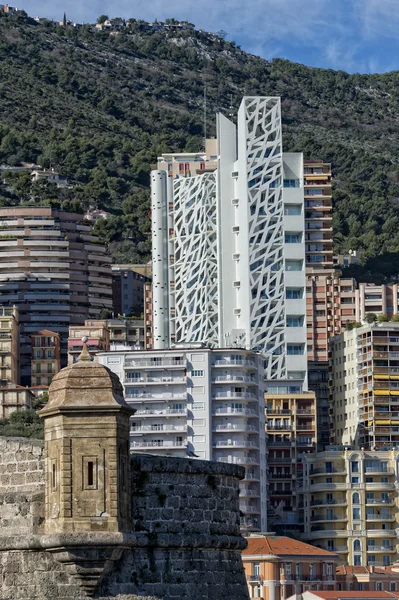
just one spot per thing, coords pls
(352, 35)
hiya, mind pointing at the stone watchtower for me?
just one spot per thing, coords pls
(88, 480)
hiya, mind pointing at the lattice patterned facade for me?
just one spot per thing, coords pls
(262, 122)
(235, 250)
(193, 269)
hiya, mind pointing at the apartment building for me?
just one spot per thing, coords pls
(54, 270)
(46, 357)
(148, 323)
(291, 427)
(350, 504)
(330, 305)
(126, 334)
(98, 340)
(244, 218)
(318, 216)
(128, 290)
(364, 377)
(186, 164)
(13, 398)
(369, 578)
(378, 299)
(9, 345)
(200, 403)
(277, 567)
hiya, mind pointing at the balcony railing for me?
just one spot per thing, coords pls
(159, 444)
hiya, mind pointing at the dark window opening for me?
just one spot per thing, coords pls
(90, 473)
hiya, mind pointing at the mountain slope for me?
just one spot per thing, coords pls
(101, 107)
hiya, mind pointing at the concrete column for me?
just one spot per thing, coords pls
(159, 259)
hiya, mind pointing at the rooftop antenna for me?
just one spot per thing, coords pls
(205, 116)
(231, 114)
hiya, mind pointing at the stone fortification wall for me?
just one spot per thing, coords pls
(185, 540)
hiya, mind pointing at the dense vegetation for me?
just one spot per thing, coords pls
(100, 108)
(23, 424)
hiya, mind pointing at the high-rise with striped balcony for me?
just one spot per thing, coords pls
(54, 270)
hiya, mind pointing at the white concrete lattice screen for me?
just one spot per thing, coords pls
(266, 235)
(195, 260)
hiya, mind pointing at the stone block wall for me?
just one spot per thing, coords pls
(185, 540)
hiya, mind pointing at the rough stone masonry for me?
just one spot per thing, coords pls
(67, 531)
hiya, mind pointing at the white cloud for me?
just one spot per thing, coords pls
(378, 18)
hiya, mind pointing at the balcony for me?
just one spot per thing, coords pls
(389, 502)
(155, 445)
(158, 428)
(278, 411)
(281, 459)
(147, 380)
(165, 413)
(251, 477)
(234, 379)
(160, 397)
(234, 363)
(235, 396)
(376, 517)
(235, 444)
(247, 508)
(280, 427)
(238, 460)
(249, 412)
(159, 364)
(246, 492)
(231, 427)
(381, 549)
(328, 502)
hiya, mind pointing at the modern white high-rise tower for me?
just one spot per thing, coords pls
(228, 246)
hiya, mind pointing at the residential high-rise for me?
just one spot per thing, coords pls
(54, 270)
(291, 428)
(364, 377)
(229, 248)
(126, 334)
(127, 290)
(45, 362)
(350, 504)
(9, 345)
(201, 403)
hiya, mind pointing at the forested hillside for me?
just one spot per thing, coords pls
(100, 108)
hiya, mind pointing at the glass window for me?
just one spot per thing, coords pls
(293, 183)
(295, 349)
(294, 293)
(294, 265)
(386, 560)
(293, 238)
(293, 209)
(355, 498)
(356, 513)
(296, 321)
(357, 560)
(256, 569)
(355, 466)
(356, 546)
(197, 373)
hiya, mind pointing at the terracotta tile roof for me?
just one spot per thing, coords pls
(351, 570)
(45, 332)
(342, 595)
(283, 546)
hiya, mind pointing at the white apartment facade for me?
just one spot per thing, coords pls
(229, 250)
(202, 403)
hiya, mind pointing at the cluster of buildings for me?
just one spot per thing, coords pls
(241, 343)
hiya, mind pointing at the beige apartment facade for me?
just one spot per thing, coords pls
(349, 500)
(291, 428)
(9, 345)
(46, 357)
(186, 164)
(364, 392)
(98, 339)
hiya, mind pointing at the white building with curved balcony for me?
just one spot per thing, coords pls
(200, 403)
(228, 246)
(350, 504)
